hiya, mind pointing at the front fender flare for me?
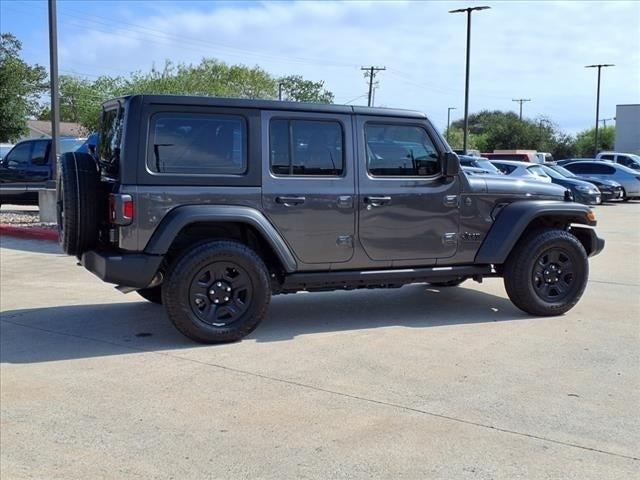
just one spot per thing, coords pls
(513, 219)
(180, 217)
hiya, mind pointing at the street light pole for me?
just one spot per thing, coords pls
(599, 67)
(449, 120)
(53, 76)
(466, 84)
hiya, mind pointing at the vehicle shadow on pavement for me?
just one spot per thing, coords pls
(83, 331)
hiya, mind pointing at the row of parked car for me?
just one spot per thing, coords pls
(610, 176)
(26, 168)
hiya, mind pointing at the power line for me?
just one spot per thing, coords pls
(521, 101)
(371, 74)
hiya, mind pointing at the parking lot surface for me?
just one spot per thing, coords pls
(409, 383)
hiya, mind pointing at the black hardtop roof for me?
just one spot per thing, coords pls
(270, 105)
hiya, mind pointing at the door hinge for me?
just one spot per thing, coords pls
(344, 241)
(451, 200)
(450, 238)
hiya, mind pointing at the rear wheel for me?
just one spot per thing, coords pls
(217, 292)
(546, 273)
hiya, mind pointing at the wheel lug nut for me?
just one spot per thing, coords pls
(216, 301)
(226, 299)
(228, 289)
(219, 284)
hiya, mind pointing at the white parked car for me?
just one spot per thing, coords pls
(525, 170)
(627, 159)
(544, 157)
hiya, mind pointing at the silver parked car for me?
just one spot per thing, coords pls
(628, 178)
(526, 170)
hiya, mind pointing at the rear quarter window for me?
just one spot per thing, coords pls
(197, 144)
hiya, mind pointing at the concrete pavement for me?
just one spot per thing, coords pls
(409, 383)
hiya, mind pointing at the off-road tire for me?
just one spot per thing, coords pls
(520, 278)
(450, 283)
(153, 294)
(77, 202)
(181, 278)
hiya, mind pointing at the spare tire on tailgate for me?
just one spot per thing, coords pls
(78, 202)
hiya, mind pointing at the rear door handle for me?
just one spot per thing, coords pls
(376, 201)
(290, 201)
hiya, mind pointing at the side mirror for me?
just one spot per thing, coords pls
(92, 149)
(450, 164)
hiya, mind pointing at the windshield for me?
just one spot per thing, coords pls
(552, 173)
(562, 171)
(488, 166)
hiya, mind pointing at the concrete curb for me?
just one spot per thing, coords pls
(33, 233)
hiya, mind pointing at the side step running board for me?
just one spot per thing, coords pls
(381, 278)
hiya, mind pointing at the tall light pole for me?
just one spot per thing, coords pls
(466, 85)
(521, 101)
(449, 120)
(53, 76)
(599, 67)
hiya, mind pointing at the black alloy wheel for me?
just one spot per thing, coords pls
(220, 293)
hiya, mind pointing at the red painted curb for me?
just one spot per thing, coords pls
(33, 233)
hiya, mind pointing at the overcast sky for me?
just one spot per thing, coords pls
(534, 50)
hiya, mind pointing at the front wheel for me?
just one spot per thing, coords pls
(217, 292)
(546, 273)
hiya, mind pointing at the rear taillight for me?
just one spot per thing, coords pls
(121, 209)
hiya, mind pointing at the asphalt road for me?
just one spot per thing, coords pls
(411, 383)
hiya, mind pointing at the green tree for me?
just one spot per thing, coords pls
(297, 89)
(20, 87)
(586, 141)
(498, 130)
(81, 100)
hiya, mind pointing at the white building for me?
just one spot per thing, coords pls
(628, 128)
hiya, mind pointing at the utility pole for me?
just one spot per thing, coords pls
(521, 101)
(466, 85)
(280, 91)
(599, 67)
(371, 73)
(605, 120)
(449, 120)
(53, 76)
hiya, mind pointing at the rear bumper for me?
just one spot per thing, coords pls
(127, 269)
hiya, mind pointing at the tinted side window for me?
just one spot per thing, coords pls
(197, 144)
(601, 169)
(400, 150)
(39, 154)
(626, 161)
(306, 147)
(110, 134)
(19, 156)
(607, 157)
(505, 168)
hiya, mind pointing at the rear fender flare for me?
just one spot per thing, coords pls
(178, 218)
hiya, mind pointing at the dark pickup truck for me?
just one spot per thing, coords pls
(27, 168)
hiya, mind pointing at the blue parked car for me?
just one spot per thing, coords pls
(583, 192)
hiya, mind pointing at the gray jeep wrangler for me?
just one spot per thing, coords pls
(209, 206)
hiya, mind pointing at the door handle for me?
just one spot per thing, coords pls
(376, 201)
(290, 201)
